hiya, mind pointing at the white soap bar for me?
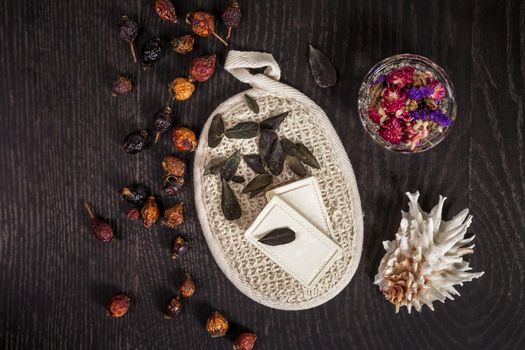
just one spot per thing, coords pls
(308, 257)
(305, 197)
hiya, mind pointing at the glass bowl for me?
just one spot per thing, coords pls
(397, 109)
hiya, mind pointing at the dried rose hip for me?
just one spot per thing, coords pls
(202, 68)
(128, 30)
(163, 122)
(134, 193)
(135, 142)
(173, 166)
(166, 10)
(173, 308)
(183, 44)
(217, 325)
(231, 17)
(245, 341)
(171, 185)
(184, 139)
(121, 86)
(151, 52)
(182, 88)
(133, 213)
(150, 212)
(203, 24)
(174, 216)
(180, 246)
(101, 229)
(118, 305)
(187, 288)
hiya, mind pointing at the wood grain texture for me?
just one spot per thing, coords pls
(60, 135)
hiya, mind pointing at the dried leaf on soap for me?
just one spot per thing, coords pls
(216, 131)
(229, 168)
(255, 163)
(214, 166)
(279, 236)
(274, 122)
(276, 158)
(258, 182)
(229, 203)
(322, 69)
(295, 165)
(252, 104)
(245, 130)
(266, 141)
(306, 156)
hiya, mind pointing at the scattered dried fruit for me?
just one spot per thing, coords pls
(150, 212)
(134, 193)
(184, 139)
(245, 130)
(229, 203)
(173, 166)
(121, 86)
(279, 236)
(133, 214)
(276, 158)
(163, 122)
(229, 168)
(245, 341)
(173, 308)
(166, 10)
(217, 325)
(255, 163)
(118, 305)
(231, 17)
(322, 69)
(203, 24)
(187, 288)
(135, 142)
(151, 52)
(216, 131)
(202, 68)
(182, 88)
(183, 44)
(171, 185)
(174, 216)
(128, 30)
(180, 246)
(101, 229)
(252, 104)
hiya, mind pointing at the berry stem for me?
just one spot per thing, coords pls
(89, 210)
(133, 54)
(157, 136)
(229, 33)
(220, 38)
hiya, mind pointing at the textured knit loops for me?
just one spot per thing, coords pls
(246, 267)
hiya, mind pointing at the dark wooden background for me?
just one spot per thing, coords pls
(60, 136)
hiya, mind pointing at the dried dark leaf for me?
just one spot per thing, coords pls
(306, 156)
(322, 69)
(257, 192)
(229, 168)
(296, 166)
(229, 203)
(279, 236)
(258, 182)
(290, 148)
(266, 141)
(238, 179)
(214, 167)
(216, 131)
(255, 163)
(245, 130)
(273, 123)
(276, 158)
(252, 104)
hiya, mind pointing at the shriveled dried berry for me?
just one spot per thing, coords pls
(173, 308)
(245, 341)
(118, 305)
(187, 287)
(203, 24)
(134, 193)
(166, 10)
(180, 246)
(171, 185)
(183, 44)
(182, 88)
(163, 122)
(128, 30)
(231, 17)
(135, 142)
(173, 166)
(133, 213)
(121, 86)
(202, 68)
(101, 229)
(151, 52)
(217, 325)
(174, 216)
(150, 212)
(184, 139)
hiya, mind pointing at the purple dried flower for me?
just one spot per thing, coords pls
(379, 79)
(419, 93)
(436, 116)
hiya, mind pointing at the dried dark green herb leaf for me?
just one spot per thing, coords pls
(258, 182)
(214, 167)
(252, 104)
(290, 148)
(273, 123)
(322, 69)
(306, 156)
(255, 163)
(279, 236)
(245, 130)
(215, 133)
(257, 192)
(229, 168)
(276, 158)
(296, 166)
(229, 203)
(238, 179)
(266, 141)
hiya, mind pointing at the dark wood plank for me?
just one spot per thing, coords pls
(60, 135)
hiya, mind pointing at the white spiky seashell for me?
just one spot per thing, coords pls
(425, 260)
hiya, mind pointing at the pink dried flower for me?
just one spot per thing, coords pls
(439, 90)
(416, 132)
(400, 76)
(393, 100)
(391, 131)
(373, 114)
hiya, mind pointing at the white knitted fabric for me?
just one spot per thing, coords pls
(246, 267)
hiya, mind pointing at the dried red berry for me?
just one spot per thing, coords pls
(245, 341)
(121, 86)
(163, 122)
(133, 214)
(166, 10)
(174, 216)
(128, 30)
(184, 139)
(101, 229)
(202, 68)
(180, 246)
(173, 308)
(217, 325)
(118, 305)
(150, 212)
(187, 288)
(231, 17)
(183, 44)
(203, 24)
